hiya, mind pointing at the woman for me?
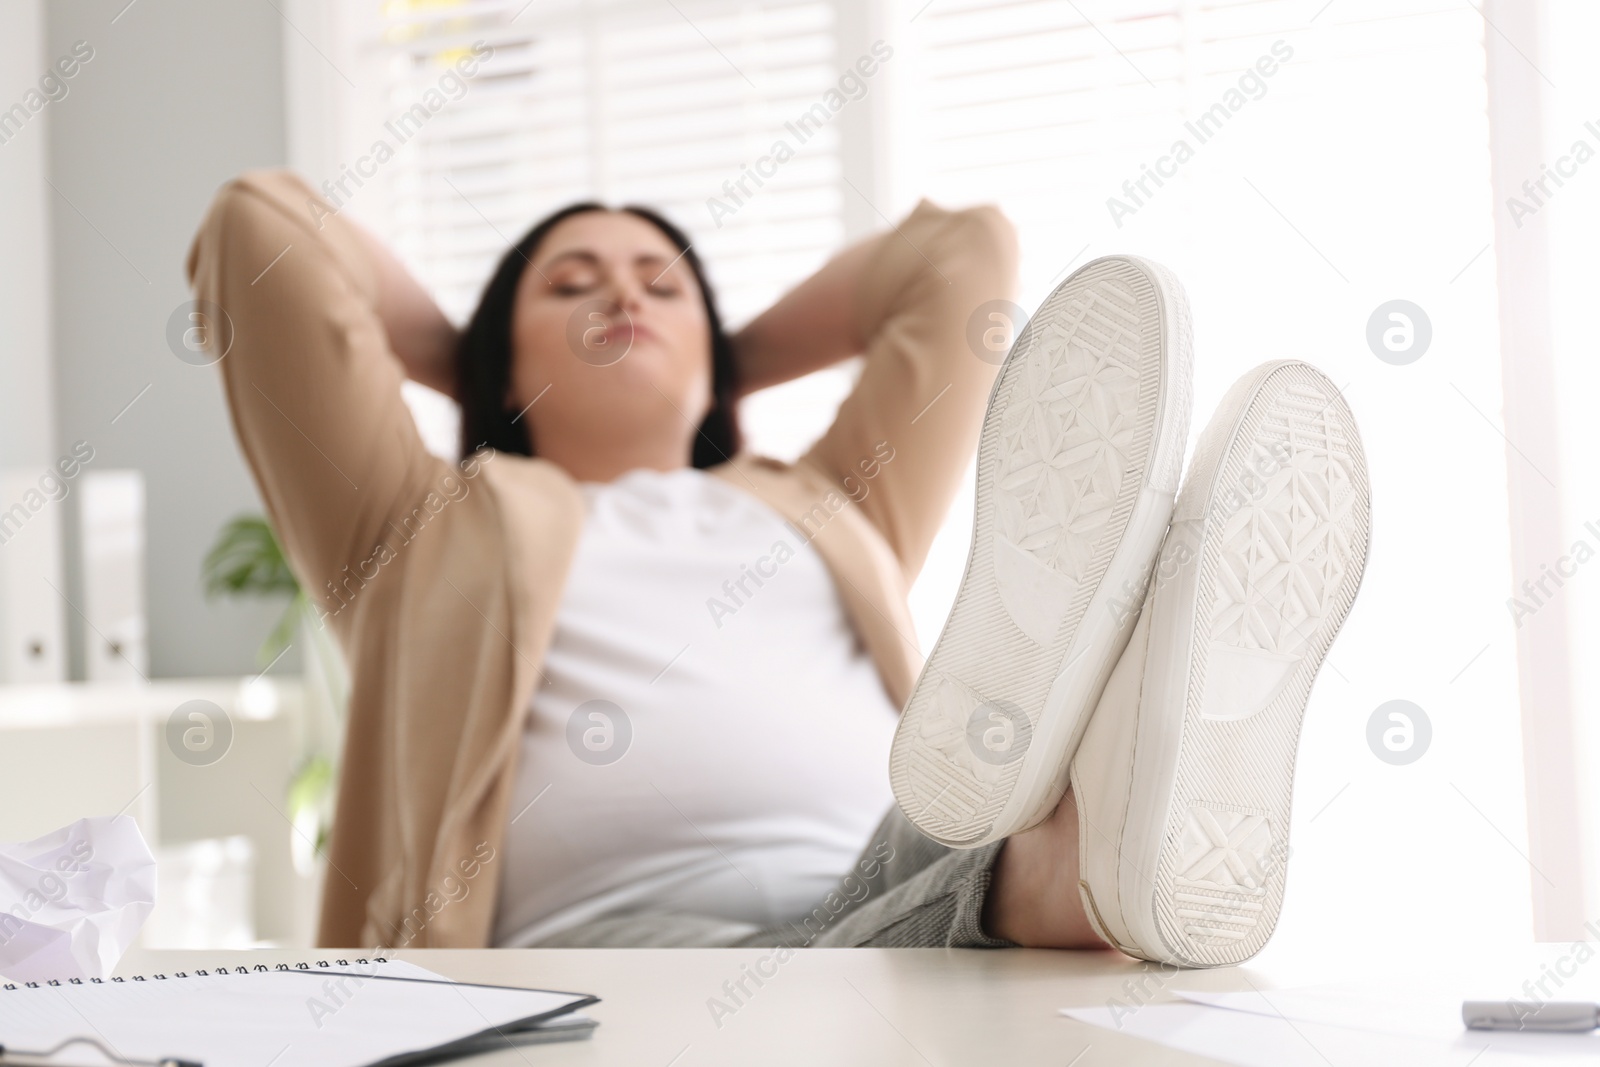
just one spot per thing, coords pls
(615, 681)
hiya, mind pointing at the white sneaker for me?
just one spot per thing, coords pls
(1078, 465)
(1184, 777)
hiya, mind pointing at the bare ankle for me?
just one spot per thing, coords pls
(1033, 895)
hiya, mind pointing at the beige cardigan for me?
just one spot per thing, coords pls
(442, 582)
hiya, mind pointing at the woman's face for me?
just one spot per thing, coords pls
(609, 330)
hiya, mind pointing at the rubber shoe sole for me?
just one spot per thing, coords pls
(1078, 465)
(1265, 557)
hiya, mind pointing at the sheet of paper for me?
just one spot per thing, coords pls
(72, 901)
(336, 1017)
(1332, 1028)
(1401, 1012)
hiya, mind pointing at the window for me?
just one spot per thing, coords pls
(1289, 224)
(620, 102)
(676, 106)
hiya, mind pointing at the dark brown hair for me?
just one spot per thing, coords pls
(484, 353)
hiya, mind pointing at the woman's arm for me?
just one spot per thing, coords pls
(312, 385)
(813, 326)
(904, 436)
(419, 335)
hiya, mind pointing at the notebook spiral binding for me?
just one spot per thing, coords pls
(200, 972)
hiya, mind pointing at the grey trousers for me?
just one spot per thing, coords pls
(905, 891)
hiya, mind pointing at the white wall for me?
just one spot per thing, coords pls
(180, 95)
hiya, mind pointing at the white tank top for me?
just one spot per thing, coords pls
(711, 737)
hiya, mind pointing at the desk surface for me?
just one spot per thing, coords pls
(833, 1007)
(894, 1007)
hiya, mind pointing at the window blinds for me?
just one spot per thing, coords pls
(662, 104)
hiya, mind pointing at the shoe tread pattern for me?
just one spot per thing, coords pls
(1284, 548)
(1063, 452)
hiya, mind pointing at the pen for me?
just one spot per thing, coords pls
(1555, 1015)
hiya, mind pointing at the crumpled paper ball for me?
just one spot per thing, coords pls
(72, 901)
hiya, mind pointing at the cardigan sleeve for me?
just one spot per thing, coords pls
(287, 293)
(901, 441)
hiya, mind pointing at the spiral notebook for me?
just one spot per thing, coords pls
(331, 1013)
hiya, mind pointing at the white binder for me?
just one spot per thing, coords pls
(32, 607)
(111, 523)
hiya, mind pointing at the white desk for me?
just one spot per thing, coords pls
(824, 1008)
(891, 1007)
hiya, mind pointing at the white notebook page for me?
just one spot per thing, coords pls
(321, 1017)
